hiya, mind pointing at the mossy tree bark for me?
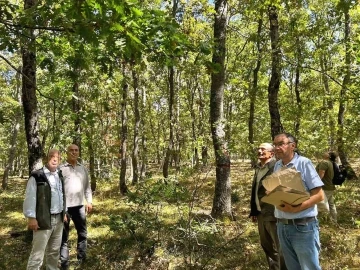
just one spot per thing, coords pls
(222, 197)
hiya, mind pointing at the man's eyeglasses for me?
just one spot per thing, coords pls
(281, 144)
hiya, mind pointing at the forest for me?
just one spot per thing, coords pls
(167, 101)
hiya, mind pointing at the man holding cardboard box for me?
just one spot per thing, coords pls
(297, 225)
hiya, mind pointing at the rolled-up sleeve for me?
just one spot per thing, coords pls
(29, 206)
(311, 177)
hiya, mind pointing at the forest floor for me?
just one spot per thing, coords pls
(167, 225)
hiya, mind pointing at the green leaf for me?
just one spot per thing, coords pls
(137, 12)
(134, 38)
(118, 27)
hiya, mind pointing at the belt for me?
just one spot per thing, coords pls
(296, 221)
(54, 215)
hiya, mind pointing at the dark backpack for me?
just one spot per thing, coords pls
(339, 174)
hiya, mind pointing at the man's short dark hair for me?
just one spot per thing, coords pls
(289, 136)
(332, 156)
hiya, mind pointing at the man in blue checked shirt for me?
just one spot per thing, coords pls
(297, 226)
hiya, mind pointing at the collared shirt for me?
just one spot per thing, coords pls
(311, 180)
(260, 173)
(77, 184)
(29, 206)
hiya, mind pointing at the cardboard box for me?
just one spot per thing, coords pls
(285, 185)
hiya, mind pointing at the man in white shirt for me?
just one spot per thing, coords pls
(44, 207)
(77, 189)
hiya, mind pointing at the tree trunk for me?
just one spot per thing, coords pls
(177, 131)
(170, 148)
(76, 107)
(222, 196)
(15, 131)
(228, 116)
(18, 169)
(342, 104)
(14, 170)
(155, 132)
(91, 160)
(253, 94)
(297, 90)
(123, 153)
(144, 158)
(135, 153)
(195, 159)
(202, 130)
(274, 85)
(171, 86)
(29, 99)
(144, 151)
(329, 101)
(12, 151)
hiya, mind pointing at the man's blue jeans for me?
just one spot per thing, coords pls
(78, 216)
(300, 245)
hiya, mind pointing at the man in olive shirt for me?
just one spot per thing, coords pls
(326, 172)
(263, 213)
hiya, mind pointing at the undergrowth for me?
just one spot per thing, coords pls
(166, 224)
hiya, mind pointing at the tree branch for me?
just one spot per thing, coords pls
(27, 78)
(39, 27)
(321, 72)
